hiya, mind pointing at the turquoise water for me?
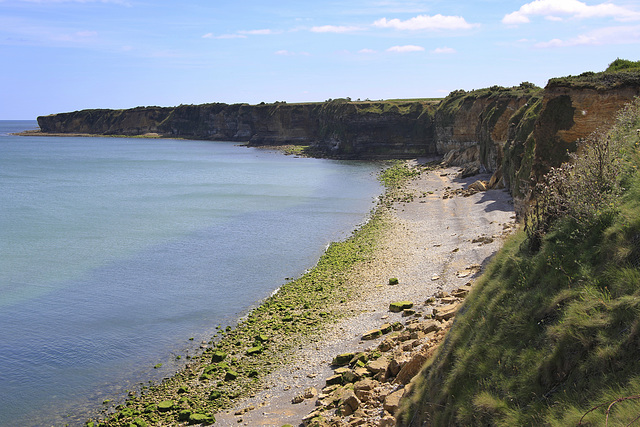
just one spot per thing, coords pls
(114, 251)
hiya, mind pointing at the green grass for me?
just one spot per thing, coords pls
(545, 337)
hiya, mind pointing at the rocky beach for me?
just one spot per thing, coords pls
(439, 237)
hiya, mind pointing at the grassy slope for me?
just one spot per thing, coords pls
(545, 337)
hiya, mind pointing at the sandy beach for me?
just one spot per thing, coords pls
(438, 240)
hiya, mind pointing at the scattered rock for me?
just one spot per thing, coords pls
(392, 401)
(378, 365)
(342, 359)
(218, 356)
(398, 306)
(165, 405)
(372, 334)
(445, 312)
(479, 186)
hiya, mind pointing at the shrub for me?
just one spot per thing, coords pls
(585, 187)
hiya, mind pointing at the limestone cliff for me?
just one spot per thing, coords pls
(335, 128)
(518, 132)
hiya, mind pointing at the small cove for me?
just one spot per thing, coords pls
(116, 250)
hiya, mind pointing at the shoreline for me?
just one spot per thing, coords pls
(287, 343)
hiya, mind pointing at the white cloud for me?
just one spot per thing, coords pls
(334, 29)
(264, 32)
(443, 50)
(426, 22)
(367, 51)
(406, 48)
(557, 9)
(601, 36)
(224, 36)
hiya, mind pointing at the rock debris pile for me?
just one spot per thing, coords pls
(366, 387)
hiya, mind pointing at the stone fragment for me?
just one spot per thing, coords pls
(398, 306)
(348, 402)
(334, 379)
(372, 334)
(392, 401)
(425, 326)
(230, 375)
(396, 364)
(366, 384)
(254, 350)
(359, 357)
(342, 359)
(310, 393)
(165, 405)
(411, 368)
(386, 345)
(479, 185)
(387, 421)
(218, 356)
(408, 312)
(386, 328)
(378, 365)
(445, 312)
(201, 419)
(462, 291)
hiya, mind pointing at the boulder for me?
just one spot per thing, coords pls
(372, 334)
(386, 328)
(462, 291)
(392, 401)
(334, 379)
(342, 359)
(230, 375)
(478, 186)
(165, 405)
(411, 368)
(254, 350)
(445, 312)
(378, 365)
(398, 306)
(218, 356)
(348, 402)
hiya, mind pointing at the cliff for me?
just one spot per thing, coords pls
(336, 128)
(518, 132)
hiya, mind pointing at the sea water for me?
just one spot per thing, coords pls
(115, 251)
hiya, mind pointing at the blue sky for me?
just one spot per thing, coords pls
(65, 55)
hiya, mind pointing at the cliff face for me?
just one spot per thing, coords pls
(519, 132)
(335, 128)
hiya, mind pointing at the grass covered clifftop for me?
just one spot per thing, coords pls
(550, 334)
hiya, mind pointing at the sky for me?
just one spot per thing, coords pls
(67, 55)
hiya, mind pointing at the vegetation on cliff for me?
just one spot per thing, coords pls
(551, 332)
(620, 72)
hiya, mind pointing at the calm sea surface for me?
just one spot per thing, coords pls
(114, 251)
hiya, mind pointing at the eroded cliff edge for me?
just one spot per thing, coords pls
(516, 133)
